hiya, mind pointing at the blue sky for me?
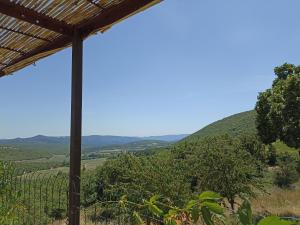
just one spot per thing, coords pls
(173, 69)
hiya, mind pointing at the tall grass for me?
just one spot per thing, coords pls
(280, 202)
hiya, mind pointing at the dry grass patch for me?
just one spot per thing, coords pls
(280, 202)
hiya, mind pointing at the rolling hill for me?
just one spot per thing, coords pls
(233, 125)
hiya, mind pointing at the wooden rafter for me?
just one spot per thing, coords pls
(20, 12)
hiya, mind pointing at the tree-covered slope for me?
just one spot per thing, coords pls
(233, 125)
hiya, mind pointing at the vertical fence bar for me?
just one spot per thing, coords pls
(76, 126)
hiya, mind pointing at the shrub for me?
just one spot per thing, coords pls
(287, 173)
(272, 155)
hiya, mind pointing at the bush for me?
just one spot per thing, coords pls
(287, 173)
(272, 156)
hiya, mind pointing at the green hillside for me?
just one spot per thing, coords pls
(236, 125)
(233, 125)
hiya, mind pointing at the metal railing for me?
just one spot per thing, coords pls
(34, 198)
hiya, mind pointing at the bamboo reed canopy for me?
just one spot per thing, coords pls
(33, 29)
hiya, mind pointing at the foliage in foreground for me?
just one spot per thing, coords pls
(206, 209)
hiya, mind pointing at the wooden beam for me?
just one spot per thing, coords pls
(112, 15)
(76, 127)
(20, 12)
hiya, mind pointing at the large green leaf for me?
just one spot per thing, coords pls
(154, 209)
(154, 199)
(273, 220)
(191, 204)
(213, 207)
(209, 195)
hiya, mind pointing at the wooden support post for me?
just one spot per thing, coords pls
(76, 127)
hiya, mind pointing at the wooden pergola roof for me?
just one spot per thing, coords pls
(33, 29)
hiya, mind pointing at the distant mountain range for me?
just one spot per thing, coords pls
(233, 125)
(61, 144)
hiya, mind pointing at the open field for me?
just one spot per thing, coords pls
(86, 164)
(41, 163)
(9, 153)
(92, 164)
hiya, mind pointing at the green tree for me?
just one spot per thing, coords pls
(264, 124)
(291, 112)
(252, 144)
(223, 164)
(278, 108)
(140, 178)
